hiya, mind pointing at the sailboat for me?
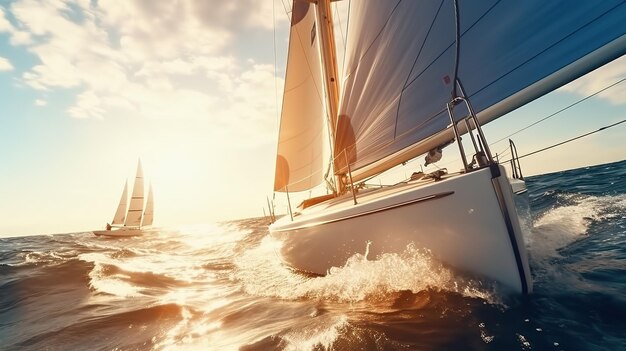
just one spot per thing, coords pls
(420, 76)
(136, 219)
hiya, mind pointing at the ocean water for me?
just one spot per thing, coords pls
(222, 287)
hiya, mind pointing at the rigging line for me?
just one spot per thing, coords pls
(343, 67)
(343, 39)
(561, 110)
(507, 150)
(457, 45)
(568, 140)
(287, 11)
(504, 151)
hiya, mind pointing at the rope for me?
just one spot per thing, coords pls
(286, 10)
(343, 39)
(561, 110)
(505, 152)
(568, 140)
(457, 47)
(343, 59)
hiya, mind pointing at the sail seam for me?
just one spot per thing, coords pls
(419, 53)
(382, 29)
(550, 47)
(449, 46)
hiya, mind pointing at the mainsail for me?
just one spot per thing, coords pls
(148, 213)
(120, 214)
(401, 61)
(299, 164)
(136, 201)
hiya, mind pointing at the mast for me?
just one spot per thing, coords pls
(329, 64)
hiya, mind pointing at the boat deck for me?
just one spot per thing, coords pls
(369, 195)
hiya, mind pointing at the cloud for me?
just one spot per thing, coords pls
(5, 25)
(149, 59)
(235, 14)
(18, 37)
(600, 79)
(5, 64)
(40, 102)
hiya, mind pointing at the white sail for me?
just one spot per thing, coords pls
(120, 214)
(135, 209)
(148, 214)
(299, 163)
(402, 61)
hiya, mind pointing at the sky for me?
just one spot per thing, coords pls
(192, 87)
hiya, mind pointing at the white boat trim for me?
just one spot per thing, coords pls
(386, 208)
(120, 233)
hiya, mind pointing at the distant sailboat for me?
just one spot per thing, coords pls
(131, 223)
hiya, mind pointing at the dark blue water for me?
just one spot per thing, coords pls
(221, 287)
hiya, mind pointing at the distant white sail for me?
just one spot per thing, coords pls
(148, 214)
(135, 210)
(120, 214)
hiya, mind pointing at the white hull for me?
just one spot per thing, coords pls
(119, 233)
(459, 219)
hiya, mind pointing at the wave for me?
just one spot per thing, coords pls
(323, 333)
(262, 273)
(569, 220)
(565, 236)
(126, 277)
(134, 329)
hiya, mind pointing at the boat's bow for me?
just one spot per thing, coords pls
(460, 219)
